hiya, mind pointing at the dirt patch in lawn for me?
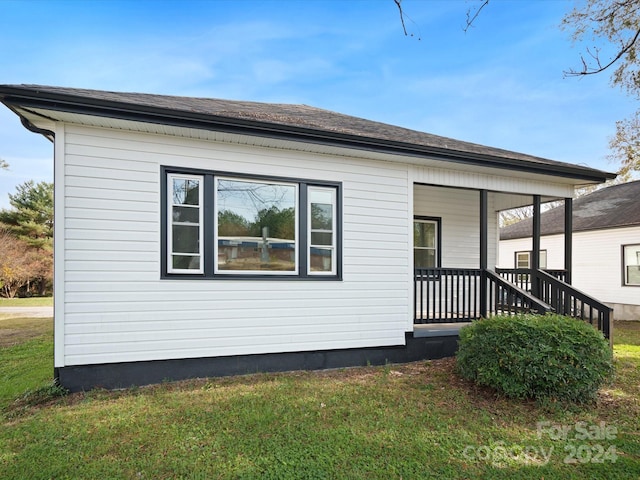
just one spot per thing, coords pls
(18, 330)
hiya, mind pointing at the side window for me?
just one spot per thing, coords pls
(185, 232)
(631, 264)
(220, 225)
(426, 239)
(523, 259)
(322, 203)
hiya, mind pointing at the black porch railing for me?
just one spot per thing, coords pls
(562, 297)
(448, 295)
(444, 295)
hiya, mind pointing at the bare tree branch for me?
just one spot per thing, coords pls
(471, 19)
(404, 28)
(587, 70)
(402, 17)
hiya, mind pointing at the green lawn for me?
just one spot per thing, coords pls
(27, 302)
(416, 420)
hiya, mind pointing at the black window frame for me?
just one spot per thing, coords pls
(438, 222)
(624, 266)
(209, 227)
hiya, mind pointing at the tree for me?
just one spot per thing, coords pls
(625, 146)
(231, 224)
(281, 223)
(616, 25)
(31, 218)
(19, 264)
(27, 234)
(617, 22)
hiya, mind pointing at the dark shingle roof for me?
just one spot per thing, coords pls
(308, 123)
(616, 206)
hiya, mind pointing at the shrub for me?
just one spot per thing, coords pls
(546, 358)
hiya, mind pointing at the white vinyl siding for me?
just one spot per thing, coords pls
(113, 306)
(118, 309)
(551, 246)
(459, 212)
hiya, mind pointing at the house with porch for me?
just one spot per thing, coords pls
(606, 246)
(200, 237)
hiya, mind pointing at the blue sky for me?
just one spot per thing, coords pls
(499, 84)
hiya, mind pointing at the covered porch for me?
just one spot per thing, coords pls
(455, 279)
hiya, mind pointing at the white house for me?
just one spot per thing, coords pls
(200, 237)
(606, 246)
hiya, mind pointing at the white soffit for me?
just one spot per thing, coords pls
(43, 118)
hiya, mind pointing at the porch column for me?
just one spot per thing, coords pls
(484, 229)
(568, 238)
(484, 253)
(535, 251)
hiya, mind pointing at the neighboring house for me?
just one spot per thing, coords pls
(606, 246)
(201, 237)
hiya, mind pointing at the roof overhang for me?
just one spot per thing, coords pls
(38, 109)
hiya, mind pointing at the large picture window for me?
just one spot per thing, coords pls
(226, 226)
(256, 228)
(631, 265)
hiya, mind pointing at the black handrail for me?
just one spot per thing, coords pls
(567, 300)
(506, 298)
(522, 276)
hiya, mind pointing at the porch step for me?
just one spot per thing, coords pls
(437, 329)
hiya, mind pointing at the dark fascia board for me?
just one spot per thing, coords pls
(25, 98)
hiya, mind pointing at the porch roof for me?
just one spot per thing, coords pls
(275, 120)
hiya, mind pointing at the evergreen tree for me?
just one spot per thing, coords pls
(31, 217)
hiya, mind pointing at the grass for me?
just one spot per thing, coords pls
(416, 420)
(27, 302)
(26, 355)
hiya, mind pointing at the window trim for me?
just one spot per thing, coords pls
(625, 279)
(438, 223)
(529, 253)
(169, 237)
(209, 227)
(216, 246)
(334, 230)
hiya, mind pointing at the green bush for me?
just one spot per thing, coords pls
(546, 358)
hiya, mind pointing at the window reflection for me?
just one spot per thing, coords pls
(256, 226)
